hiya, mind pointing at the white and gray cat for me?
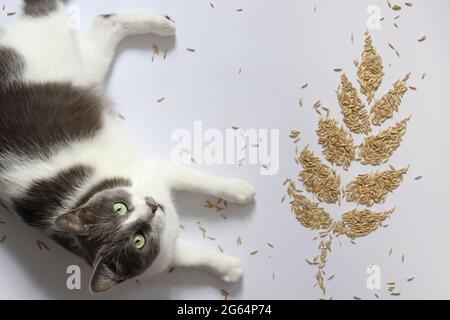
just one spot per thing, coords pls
(60, 166)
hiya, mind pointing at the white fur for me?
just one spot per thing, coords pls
(55, 57)
(59, 56)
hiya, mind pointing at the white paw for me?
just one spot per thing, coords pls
(230, 270)
(239, 191)
(164, 26)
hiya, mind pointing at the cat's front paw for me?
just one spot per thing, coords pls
(239, 191)
(231, 269)
(164, 25)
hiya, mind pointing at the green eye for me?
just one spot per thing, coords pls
(139, 241)
(120, 208)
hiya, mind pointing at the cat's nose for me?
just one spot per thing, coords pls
(152, 204)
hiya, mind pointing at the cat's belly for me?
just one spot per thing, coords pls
(39, 119)
(49, 49)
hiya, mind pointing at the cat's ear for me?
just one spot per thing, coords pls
(102, 278)
(75, 221)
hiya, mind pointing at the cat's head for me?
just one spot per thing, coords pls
(120, 232)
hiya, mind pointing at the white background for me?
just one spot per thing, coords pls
(279, 44)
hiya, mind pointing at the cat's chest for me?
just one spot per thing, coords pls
(98, 156)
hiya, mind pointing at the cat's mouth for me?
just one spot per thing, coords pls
(153, 205)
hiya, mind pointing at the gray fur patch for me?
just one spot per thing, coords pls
(36, 120)
(38, 205)
(39, 8)
(11, 66)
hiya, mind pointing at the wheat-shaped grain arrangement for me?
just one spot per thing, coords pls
(362, 113)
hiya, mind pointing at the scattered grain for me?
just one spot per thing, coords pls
(422, 38)
(41, 245)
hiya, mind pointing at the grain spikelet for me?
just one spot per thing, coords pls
(356, 223)
(337, 143)
(309, 214)
(370, 70)
(384, 108)
(318, 178)
(368, 189)
(376, 149)
(352, 108)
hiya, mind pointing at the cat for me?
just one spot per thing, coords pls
(66, 165)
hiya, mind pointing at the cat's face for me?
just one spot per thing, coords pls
(120, 231)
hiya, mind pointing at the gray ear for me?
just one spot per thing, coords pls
(75, 221)
(102, 278)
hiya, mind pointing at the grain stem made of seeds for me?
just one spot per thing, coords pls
(338, 148)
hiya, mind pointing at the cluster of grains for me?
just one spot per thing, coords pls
(391, 288)
(376, 149)
(309, 214)
(368, 189)
(352, 108)
(318, 178)
(356, 223)
(385, 107)
(370, 70)
(337, 143)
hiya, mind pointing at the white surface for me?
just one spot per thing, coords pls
(279, 45)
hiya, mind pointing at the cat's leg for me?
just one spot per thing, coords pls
(225, 268)
(98, 48)
(185, 179)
